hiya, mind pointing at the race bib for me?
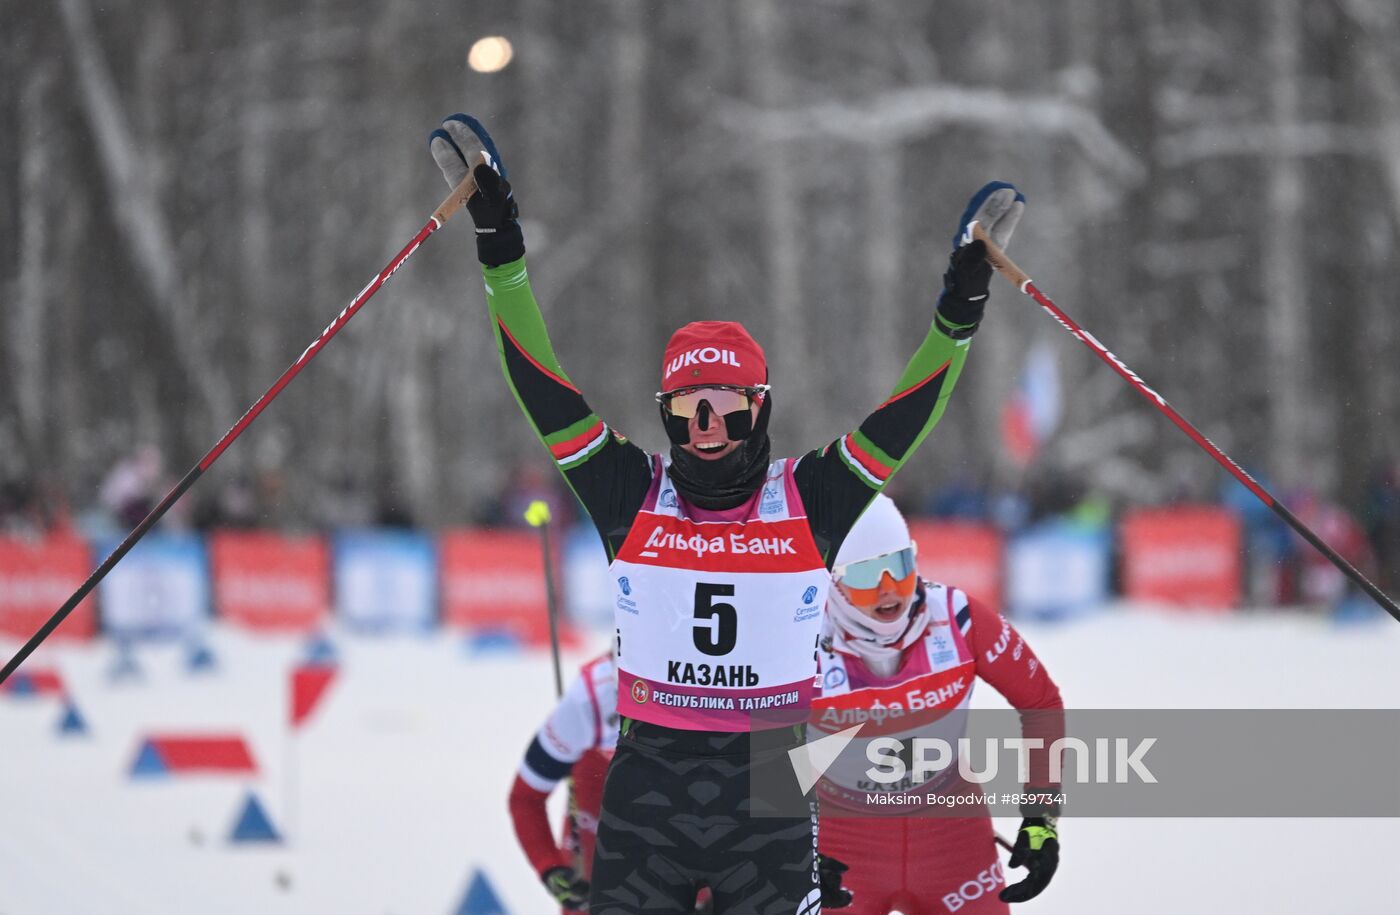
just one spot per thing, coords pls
(718, 619)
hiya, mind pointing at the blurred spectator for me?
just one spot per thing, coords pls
(344, 504)
(29, 511)
(135, 485)
(390, 509)
(1092, 511)
(16, 497)
(1320, 582)
(1053, 493)
(234, 504)
(1382, 519)
(960, 499)
(1009, 510)
(270, 492)
(1269, 543)
(528, 483)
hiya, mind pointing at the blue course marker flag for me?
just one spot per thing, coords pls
(321, 650)
(253, 824)
(481, 898)
(200, 659)
(72, 723)
(149, 763)
(125, 666)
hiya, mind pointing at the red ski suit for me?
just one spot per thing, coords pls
(577, 741)
(927, 865)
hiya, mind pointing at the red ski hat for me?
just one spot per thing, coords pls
(712, 353)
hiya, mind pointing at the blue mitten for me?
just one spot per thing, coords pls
(493, 208)
(997, 207)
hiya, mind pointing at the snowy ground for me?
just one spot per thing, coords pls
(403, 774)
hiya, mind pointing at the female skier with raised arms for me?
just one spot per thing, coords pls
(720, 559)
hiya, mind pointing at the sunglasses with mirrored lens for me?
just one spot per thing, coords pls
(685, 402)
(866, 574)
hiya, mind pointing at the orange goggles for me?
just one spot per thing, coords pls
(723, 399)
(862, 581)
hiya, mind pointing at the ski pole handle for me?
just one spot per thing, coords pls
(998, 259)
(459, 195)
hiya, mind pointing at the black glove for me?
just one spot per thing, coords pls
(1038, 848)
(566, 886)
(493, 208)
(834, 895)
(965, 287)
(494, 211)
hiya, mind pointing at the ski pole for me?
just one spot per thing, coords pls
(1018, 277)
(538, 516)
(454, 202)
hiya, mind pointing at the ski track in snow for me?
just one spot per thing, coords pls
(405, 767)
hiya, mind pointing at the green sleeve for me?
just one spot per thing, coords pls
(609, 475)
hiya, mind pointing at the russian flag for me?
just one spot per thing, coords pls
(1032, 411)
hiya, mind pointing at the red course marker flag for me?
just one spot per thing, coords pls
(309, 682)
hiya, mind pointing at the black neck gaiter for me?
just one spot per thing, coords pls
(733, 479)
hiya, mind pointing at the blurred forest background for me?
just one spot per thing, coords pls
(189, 193)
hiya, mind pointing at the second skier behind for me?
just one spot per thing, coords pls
(891, 634)
(575, 743)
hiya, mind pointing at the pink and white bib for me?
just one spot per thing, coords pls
(718, 613)
(923, 698)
